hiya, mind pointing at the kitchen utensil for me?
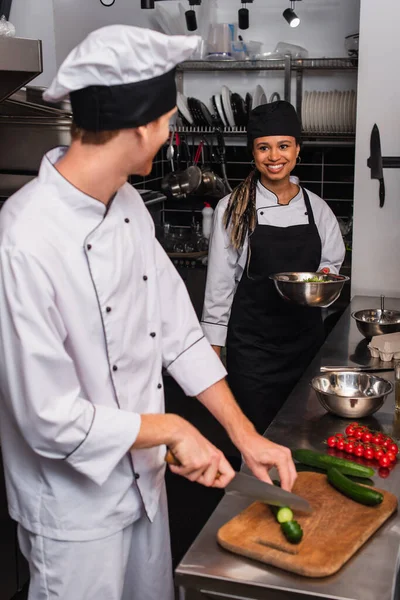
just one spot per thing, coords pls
(171, 151)
(183, 108)
(226, 103)
(370, 369)
(292, 287)
(337, 528)
(181, 183)
(369, 321)
(247, 485)
(375, 163)
(239, 110)
(351, 395)
(244, 47)
(351, 44)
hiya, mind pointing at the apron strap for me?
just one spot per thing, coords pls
(311, 220)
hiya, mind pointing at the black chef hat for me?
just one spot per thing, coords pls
(275, 118)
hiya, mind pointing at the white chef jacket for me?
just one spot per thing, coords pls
(91, 311)
(226, 264)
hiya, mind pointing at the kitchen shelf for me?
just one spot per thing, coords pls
(297, 64)
(344, 138)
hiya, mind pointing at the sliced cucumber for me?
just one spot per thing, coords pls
(284, 515)
(325, 461)
(292, 531)
(358, 493)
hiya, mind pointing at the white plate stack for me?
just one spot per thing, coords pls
(329, 112)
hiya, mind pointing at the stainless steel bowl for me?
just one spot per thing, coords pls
(292, 287)
(351, 395)
(372, 322)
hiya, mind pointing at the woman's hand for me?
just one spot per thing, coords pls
(325, 270)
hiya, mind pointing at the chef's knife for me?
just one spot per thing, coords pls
(375, 163)
(249, 486)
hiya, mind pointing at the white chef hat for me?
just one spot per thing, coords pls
(121, 77)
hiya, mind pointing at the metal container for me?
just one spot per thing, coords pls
(350, 394)
(293, 287)
(371, 322)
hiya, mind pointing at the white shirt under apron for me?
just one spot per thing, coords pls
(92, 310)
(226, 265)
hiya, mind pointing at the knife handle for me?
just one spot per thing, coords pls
(172, 460)
(381, 192)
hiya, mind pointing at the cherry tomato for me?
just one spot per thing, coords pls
(358, 433)
(386, 443)
(384, 461)
(378, 453)
(351, 438)
(353, 424)
(359, 451)
(376, 439)
(339, 435)
(349, 430)
(349, 447)
(367, 437)
(383, 472)
(340, 444)
(393, 448)
(331, 441)
(391, 456)
(368, 453)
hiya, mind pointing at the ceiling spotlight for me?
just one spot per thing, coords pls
(291, 16)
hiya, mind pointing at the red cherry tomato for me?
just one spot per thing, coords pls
(331, 441)
(378, 454)
(339, 435)
(384, 461)
(393, 448)
(353, 424)
(391, 456)
(359, 451)
(368, 453)
(349, 447)
(383, 472)
(340, 444)
(358, 433)
(367, 437)
(386, 443)
(376, 439)
(349, 430)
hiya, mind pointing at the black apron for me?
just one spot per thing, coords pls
(270, 341)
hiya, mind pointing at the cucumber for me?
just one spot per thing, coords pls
(358, 493)
(282, 513)
(325, 461)
(292, 531)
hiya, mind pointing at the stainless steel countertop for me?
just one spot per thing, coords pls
(302, 422)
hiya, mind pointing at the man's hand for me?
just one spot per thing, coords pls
(199, 460)
(260, 455)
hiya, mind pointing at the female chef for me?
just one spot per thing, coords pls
(92, 311)
(269, 224)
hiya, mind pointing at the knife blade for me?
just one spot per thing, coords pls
(249, 486)
(375, 162)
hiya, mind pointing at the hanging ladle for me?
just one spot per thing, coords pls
(170, 149)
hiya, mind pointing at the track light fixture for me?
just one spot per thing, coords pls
(146, 3)
(291, 16)
(243, 15)
(190, 15)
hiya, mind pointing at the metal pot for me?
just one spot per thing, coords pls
(181, 183)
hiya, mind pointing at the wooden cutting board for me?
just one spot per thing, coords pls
(334, 531)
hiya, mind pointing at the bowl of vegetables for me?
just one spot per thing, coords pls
(309, 289)
(351, 394)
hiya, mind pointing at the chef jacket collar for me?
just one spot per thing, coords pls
(66, 191)
(266, 195)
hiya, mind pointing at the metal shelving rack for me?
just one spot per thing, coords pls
(289, 66)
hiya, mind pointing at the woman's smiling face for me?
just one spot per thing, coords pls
(275, 156)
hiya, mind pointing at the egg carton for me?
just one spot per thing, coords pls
(385, 347)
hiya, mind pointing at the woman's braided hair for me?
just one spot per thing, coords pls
(240, 214)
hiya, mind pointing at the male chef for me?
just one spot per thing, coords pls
(91, 312)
